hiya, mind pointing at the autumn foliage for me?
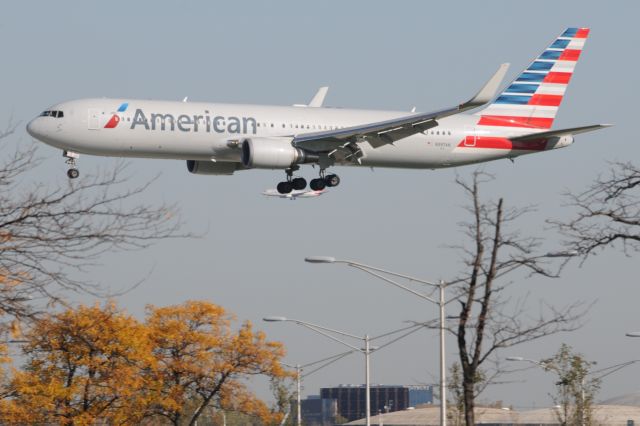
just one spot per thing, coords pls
(95, 365)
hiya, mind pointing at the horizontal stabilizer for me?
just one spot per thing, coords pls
(560, 132)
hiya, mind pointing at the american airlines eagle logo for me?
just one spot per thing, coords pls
(115, 118)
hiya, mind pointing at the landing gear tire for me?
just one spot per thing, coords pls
(73, 173)
(332, 180)
(285, 187)
(299, 183)
(317, 184)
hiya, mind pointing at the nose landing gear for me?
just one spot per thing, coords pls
(71, 157)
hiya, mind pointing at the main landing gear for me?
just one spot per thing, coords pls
(71, 157)
(291, 183)
(299, 183)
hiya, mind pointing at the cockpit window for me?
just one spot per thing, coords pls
(52, 113)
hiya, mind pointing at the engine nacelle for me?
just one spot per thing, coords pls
(560, 141)
(263, 153)
(212, 168)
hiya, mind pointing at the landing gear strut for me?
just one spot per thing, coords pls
(71, 157)
(291, 183)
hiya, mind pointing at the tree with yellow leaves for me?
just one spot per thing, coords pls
(82, 365)
(98, 365)
(201, 361)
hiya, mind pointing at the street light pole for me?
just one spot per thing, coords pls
(443, 371)
(367, 353)
(367, 350)
(325, 332)
(298, 399)
(325, 362)
(441, 302)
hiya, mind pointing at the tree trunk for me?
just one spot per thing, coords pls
(469, 403)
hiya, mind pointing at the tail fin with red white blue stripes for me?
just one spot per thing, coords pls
(532, 100)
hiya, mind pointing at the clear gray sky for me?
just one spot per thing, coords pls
(391, 55)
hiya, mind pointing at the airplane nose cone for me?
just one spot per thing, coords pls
(34, 128)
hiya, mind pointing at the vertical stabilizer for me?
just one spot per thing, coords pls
(532, 100)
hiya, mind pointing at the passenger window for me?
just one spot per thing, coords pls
(271, 124)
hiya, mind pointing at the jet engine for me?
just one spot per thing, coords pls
(212, 168)
(264, 153)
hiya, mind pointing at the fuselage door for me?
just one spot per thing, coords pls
(470, 136)
(93, 121)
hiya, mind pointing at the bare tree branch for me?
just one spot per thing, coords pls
(49, 233)
(608, 213)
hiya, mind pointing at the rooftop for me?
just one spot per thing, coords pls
(611, 415)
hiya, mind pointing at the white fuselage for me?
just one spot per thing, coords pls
(211, 132)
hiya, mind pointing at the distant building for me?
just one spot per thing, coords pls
(351, 403)
(317, 411)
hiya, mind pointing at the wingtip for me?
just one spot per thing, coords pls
(490, 88)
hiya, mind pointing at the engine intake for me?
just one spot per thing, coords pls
(212, 168)
(263, 153)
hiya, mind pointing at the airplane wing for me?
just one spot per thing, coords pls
(560, 132)
(389, 131)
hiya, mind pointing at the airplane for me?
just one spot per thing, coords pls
(295, 194)
(220, 139)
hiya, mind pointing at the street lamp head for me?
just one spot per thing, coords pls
(274, 319)
(633, 334)
(515, 358)
(568, 253)
(320, 259)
